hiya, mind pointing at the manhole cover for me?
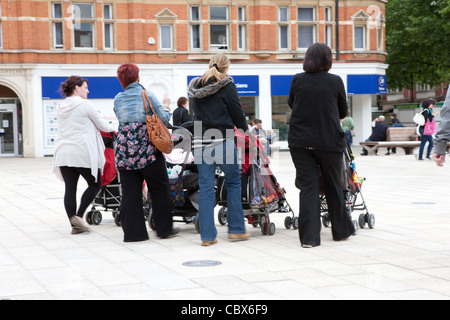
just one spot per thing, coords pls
(422, 202)
(201, 263)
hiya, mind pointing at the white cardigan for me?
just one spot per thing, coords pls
(79, 142)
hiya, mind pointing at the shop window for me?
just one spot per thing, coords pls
(281, 115)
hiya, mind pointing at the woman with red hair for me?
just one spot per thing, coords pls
(137, 160)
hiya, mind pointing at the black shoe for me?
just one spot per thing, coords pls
(364, 154)
(173, 233)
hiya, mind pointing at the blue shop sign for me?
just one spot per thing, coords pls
(366, 84)
(99, 87)
(247, 86)
(280, 85)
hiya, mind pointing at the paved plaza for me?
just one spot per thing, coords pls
(406, 255)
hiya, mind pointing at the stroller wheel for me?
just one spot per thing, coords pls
(362, 220)
(117, 220)
(89, 217)
(272, 229)
(96, 217)
(151, 220)
(371, 221)
(263, 227)
(222, 216)
(295, 223)
(196, 224)
(326, 221)
(288, 222)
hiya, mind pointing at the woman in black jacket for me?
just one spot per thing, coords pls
(316, 139)
(217, 110)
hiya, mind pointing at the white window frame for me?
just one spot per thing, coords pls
(55, 21)
(77, 22)
(304, 23)
(161, 26)
(364, 39)
(108, 21)
(225, 23)
(242, 29)
(195, 23)
(283, 23)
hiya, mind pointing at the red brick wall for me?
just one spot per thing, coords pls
(33, 31)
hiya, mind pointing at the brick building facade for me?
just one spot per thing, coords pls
(43, 42)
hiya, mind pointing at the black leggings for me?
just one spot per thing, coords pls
(71, 176)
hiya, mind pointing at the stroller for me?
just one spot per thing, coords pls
(110, 195)
(352, 188)
(183, 181)
(261, 193)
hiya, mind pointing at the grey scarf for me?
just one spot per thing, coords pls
(207, 90)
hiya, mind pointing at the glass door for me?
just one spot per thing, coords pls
(8, 130)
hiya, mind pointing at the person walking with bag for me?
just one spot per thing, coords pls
(316, 140)
(427, 113)
(79, 148)
(137, 160)
(217, 110)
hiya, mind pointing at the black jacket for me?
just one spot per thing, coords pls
(318, 101)
(217, 105)
(180, 116)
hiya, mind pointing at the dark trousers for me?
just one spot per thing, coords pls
(307, 164)
(131, 209)
(71, 176)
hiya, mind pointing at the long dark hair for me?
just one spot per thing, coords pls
(68, 86)
(318, 58)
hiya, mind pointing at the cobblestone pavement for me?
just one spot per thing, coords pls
(406, 255)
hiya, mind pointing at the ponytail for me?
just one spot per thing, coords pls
(218, 68)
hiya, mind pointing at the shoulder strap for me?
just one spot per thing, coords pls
(146, 99)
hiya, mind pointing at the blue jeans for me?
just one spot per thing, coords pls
(423, 140)
(206, 160)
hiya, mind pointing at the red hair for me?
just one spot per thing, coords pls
(127, 73)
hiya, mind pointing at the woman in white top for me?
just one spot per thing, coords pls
(79, 148)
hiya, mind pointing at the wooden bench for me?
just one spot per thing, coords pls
(396, 137)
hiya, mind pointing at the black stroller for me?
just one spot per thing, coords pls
(183, 181)
(110, 195)
(352, 189)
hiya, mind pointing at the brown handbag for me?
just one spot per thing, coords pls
(157, 131)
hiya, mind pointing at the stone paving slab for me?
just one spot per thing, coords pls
(406, 256)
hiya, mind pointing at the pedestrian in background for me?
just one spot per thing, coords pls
(316, 139)
(427, 112)
(79, 148)
(181, 114)
(348, 125)
(442, 136)
(137, 160)
(217, 109)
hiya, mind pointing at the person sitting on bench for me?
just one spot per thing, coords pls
(379, 129)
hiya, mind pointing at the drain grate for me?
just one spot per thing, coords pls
(202, 263)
